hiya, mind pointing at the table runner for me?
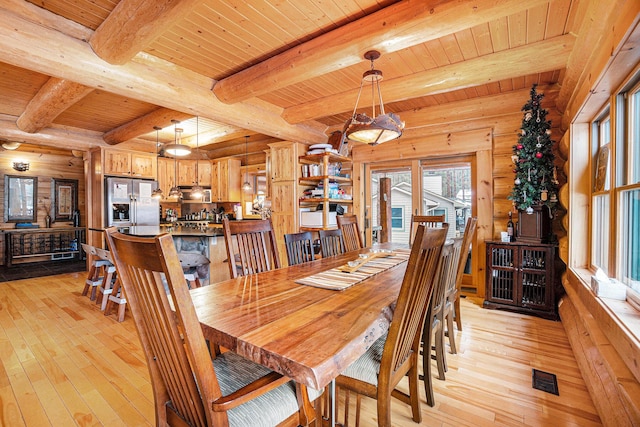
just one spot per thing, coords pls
(336, 279)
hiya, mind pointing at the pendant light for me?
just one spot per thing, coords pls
(246, 186)
(197, 191)
(177, 148)
(157, 193)
(175, 191)
(375, 129)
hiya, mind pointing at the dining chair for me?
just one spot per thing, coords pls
(331, 242)
(469, 230)
(251, 246)
(350, 232)
(395, 355)
(428, 220)
(433, 345)
(299, 247)
(189, 388)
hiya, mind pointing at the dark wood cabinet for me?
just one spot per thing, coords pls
(523, 277)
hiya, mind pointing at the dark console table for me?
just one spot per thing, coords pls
(55, 243)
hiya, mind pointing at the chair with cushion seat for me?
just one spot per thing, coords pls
(433, 335)
(427, 220)
(254, 243)
(350, 232)
(395, 355)
(189, 388)
(454, 296)
(331, 242)
(299, 247)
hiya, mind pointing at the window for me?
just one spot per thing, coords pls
(600, 199)
(397, 218)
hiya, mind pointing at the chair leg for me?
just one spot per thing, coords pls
(414, 396)
(439, 350)
(426, 363)
(358, 406)
(452, 333)
(456, 312)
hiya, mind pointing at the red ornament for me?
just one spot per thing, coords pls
(538, 155)
(519, 146)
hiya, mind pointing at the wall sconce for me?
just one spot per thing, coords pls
(21, 166)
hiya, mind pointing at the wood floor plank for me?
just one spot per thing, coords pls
(65, 363)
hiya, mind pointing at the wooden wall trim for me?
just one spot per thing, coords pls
(605, 350)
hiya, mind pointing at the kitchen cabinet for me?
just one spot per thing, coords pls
(129, 163)
(225, 180)
(166, 175)
(322, 173)
(187, 172)
(524, 278)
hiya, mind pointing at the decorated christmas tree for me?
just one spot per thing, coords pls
(535, 182)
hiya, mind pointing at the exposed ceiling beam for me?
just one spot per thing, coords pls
(394, 28)
(134, 24)
(145, 78)
(53, 98)
(54, 136)
(512, 63)
(161, 117)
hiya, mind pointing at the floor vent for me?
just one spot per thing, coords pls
(545, 381)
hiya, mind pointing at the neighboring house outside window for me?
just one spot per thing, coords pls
(397, 218)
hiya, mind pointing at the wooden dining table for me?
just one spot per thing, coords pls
(307, 333)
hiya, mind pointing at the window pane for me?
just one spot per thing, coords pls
(600, 236)
(630, 238)
(633, 155)
(397, 218)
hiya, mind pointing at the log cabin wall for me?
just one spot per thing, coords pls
(45, 164)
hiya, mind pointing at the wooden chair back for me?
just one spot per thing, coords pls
(299, 247)
(331, 242)
(254, 243)
(182, 375)
(350, 232)
(427, 220)
(469, 231)
(402, 347)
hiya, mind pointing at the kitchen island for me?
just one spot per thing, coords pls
(201, 249)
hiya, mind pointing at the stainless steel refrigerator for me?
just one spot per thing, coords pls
(129, 202)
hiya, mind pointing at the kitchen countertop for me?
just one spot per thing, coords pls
(154, 230)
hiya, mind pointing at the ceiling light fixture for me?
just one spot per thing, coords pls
(157, 193)
(246, 186)
(375, 129)
(175, 192)
(177, 148)
(197, 191)
(10, 145)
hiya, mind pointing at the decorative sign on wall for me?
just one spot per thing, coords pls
(65, 198)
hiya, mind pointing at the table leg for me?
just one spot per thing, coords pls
(332, 402)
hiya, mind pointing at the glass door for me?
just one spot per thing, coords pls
(391, 205)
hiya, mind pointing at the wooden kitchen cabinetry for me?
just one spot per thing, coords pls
(320, 170)
(129, 163)
(524, 278)
(187, 172)
(166, 175)
(283, 168)
(225, 180)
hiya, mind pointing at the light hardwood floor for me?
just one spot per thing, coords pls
(64, 363)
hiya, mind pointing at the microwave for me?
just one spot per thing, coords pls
(186, 196)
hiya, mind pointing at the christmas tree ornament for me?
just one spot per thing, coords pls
(529, 210)
(543, 195)
(524, 132)
(538, 155)
(553, 198)
(517, 181)
(529, 175)
(547, 132)
(527, 116)
(538, 145)
(519, 146)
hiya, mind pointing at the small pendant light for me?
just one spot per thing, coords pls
(157, 193)
(197, 191)
(246, 186)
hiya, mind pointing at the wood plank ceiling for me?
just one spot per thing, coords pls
(84, 73)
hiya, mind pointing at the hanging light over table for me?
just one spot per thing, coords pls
(197, 191)
(157, 193)
(375, 129)
(246, 186)
(175, 191)
(177, 148)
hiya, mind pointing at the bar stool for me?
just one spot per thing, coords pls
(106, 286)
(94, 278)
(116, 297)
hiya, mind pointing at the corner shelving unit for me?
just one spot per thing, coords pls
(324, 160)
